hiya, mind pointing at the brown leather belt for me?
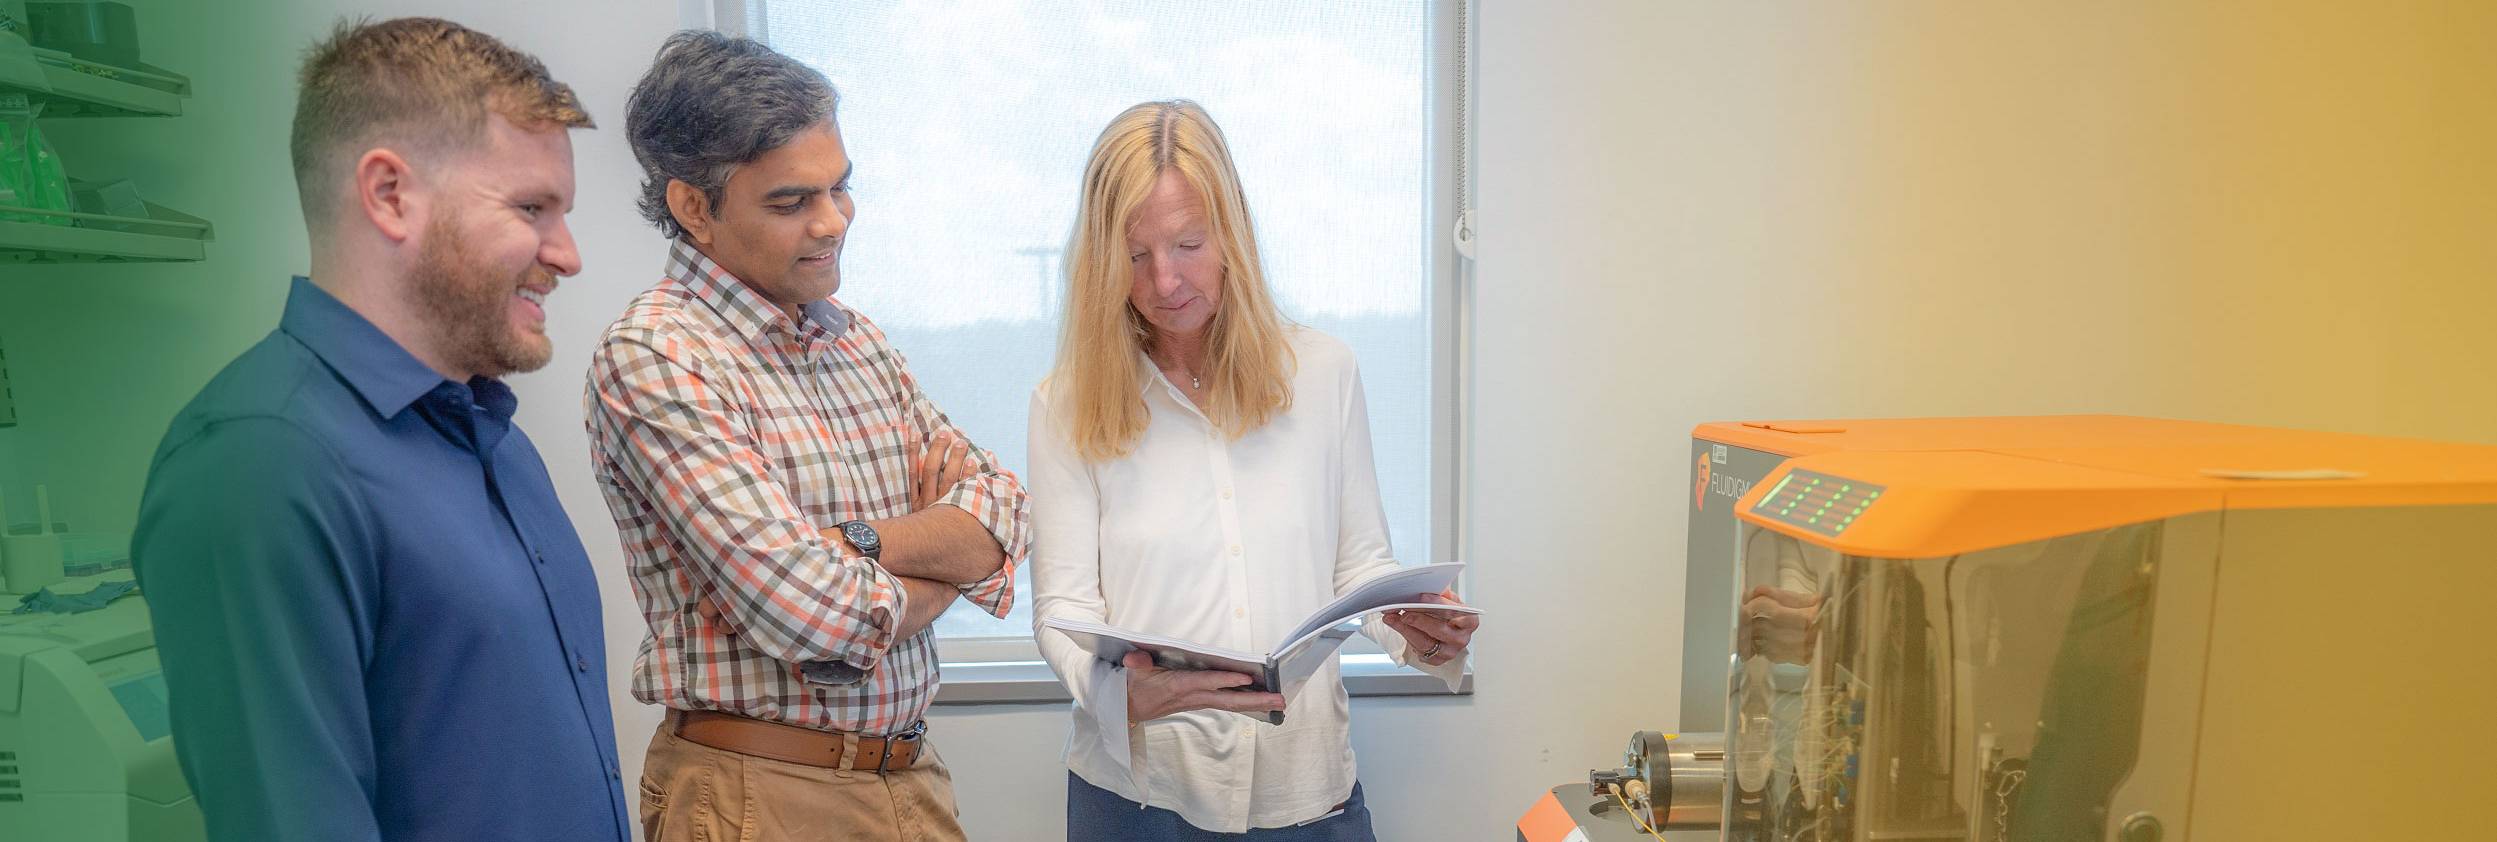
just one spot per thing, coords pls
(803, 746)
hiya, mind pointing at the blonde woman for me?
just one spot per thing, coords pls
(1200, 468)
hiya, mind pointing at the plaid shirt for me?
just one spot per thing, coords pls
(727, 437)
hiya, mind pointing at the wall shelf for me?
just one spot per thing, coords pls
(165, 236)
(65, 87)
(68, 87)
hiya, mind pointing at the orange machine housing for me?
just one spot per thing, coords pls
(2155, 624)
(2096, 626)
(1957, 484)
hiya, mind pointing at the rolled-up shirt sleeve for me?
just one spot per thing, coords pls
(672, 428)
(991, 494)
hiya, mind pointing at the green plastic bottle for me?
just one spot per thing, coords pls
(29, 168)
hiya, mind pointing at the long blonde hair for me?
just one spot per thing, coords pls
(1099, 377)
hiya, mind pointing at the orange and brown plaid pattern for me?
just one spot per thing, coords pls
(727, 437)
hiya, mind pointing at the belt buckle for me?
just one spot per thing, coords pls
(917, 729)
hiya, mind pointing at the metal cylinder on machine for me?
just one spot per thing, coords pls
(1676, 781)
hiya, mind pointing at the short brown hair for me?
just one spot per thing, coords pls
(423, 84)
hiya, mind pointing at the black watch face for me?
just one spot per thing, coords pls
(861, 535)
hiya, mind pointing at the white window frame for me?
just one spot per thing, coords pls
(994, 670)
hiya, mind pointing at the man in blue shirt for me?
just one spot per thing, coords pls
(375, 618)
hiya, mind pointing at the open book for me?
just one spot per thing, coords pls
(1306, 648)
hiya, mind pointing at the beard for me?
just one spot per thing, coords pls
(469, 307)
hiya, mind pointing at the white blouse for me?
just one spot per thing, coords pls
(1224, 542)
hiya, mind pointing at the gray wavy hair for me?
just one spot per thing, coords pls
(710, 103)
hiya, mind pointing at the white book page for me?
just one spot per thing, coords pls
(1300, 659)
(1111, 644)
(1294, 666)
(1397, 587)
(1292, 649)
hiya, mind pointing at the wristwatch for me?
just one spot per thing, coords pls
(863, 537)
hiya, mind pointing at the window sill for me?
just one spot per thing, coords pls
(1031, 682)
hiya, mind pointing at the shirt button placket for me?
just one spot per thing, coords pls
(1235, 551)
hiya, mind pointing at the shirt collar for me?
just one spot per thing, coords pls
(383, 373)
(744, 309)
(476, 414)
(1150, 377)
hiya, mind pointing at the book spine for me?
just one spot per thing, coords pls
(1274, 684)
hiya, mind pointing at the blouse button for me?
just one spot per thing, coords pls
(1235, 550)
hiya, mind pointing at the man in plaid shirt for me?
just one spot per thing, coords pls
(796, 512)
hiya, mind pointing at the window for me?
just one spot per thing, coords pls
(970, 123)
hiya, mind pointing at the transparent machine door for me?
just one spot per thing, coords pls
(1993, 695)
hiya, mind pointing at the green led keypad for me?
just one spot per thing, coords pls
(1818, 502)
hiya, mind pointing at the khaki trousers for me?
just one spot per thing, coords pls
(696, 793)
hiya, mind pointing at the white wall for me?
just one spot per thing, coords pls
(1435, 768)
(101, 355)
(600, 48)
(1709, 211)
(116, 350)
(1697, 211)
(1439, 768)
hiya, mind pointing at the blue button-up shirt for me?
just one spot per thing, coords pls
(375, 618)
